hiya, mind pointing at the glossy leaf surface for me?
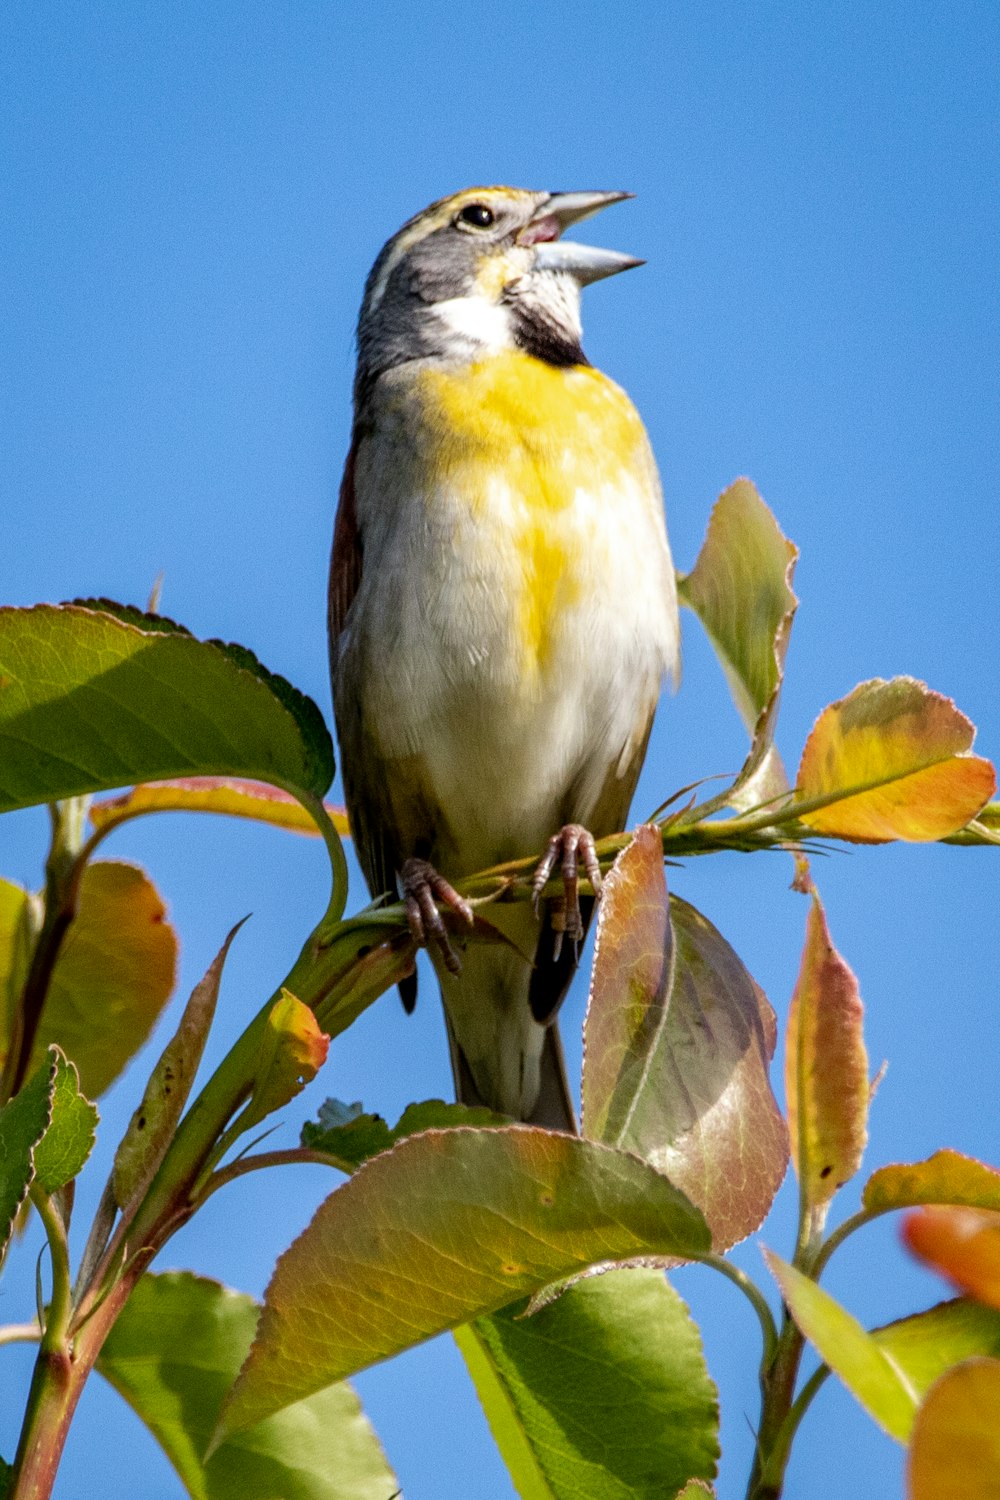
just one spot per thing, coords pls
(678, 1040)
(445, 1227)
(826, 1066)
(851, 1352)
(173, 1354)
(97, 695)
(603, 1393)
(898, 758)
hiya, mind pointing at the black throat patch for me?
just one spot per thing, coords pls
(543, 336)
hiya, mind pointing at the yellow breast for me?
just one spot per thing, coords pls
(530, 447)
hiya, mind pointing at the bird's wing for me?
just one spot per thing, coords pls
(345, 563)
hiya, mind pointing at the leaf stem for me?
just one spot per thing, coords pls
(60, 1304)
(20, 1333)
(292, 1156)
(755, 1297)
(840, 1234)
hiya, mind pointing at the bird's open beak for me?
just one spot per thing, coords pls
(585, 263)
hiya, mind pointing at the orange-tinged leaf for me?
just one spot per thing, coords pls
(291, 1055)
(955, 1451)
(214, 794)
(826, 1067)
(896, 758)
(678, 1040)
(945, 1177)
(446, 1226)
(113, 976)
(963, 1244)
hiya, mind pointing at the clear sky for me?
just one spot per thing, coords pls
(192, 196)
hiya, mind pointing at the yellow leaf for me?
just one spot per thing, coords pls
(945, 1177)
(826, 1067)
(894, 759)
(955, 1452)
(113, 976)
(214, 794)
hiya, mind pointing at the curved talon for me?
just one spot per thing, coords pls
(571, 846)
(423, 887)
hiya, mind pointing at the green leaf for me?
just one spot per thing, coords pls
(955, 1453)
(694, 1490)
(173, 1354)
(678, 1039)
(352, 1136)
(928, 1343)
(602, 1395)
(826, 1067)
(95, 695)
(741, 590)
(151, 1128)
(448, 1225)
(64, 1148)
(113, 976)
(23, 1122)
(945, 1177)
(855, 1355)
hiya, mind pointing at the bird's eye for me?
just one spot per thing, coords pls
(477, 215)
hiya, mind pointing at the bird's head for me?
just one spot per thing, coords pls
(484, 270)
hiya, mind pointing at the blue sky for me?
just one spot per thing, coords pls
(193, 195)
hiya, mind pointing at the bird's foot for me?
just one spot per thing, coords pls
(571, 847)
(423, 888)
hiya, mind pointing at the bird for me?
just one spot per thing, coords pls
(502, 613)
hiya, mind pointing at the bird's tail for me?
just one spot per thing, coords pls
(501, 1056)
(553, 1106)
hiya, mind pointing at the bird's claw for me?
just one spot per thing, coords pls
(571, 847)
(423, 888)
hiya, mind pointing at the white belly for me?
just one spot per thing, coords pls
(516, 685)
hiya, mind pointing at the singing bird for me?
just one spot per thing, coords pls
(502, 610)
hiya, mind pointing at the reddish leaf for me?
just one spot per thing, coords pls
(678, 1041)
(895, 757)
(963, 1244)
(826, 1067)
